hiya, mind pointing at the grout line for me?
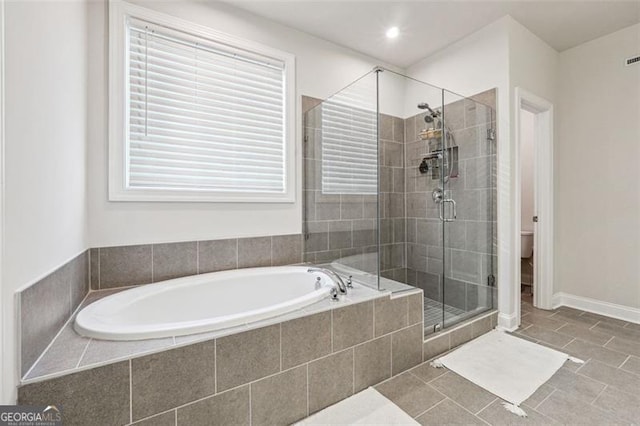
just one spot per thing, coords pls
(152, 277)
(430, 408)
(546, 397)
(280, 338)
(568, 343)
(594, 325)
(83, 353)
(250, 405)
(607, 342)
(624, 362)
(176, 417)
(598, 396)
(482, 409)
(130, 392)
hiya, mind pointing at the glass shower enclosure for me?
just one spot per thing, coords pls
(399, 191)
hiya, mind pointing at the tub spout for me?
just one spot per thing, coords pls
(340, 287)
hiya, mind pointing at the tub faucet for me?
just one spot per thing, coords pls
(340, 287)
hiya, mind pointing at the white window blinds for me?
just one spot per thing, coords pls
(202, 115)
(349, 141)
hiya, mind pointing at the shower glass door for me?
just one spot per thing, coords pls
(467, 206)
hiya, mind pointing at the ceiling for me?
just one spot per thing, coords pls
(428, 26)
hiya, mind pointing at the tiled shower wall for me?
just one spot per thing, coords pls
(470, 239)
(341, 226)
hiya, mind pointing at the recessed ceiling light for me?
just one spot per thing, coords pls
(393, 32)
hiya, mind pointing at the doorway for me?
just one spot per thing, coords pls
(533, 255)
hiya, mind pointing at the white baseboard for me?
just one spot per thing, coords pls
(625, 313)
(507, 322)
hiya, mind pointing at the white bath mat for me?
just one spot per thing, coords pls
(507, 366)
(368, 407)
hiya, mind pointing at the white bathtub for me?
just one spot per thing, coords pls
(201, 303)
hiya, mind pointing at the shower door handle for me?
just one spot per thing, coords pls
(455, 212)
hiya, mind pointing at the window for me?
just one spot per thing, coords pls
(349, 141)
(196, 115)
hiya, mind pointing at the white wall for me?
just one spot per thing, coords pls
(526, 170)
(323, 68)
(45, 151)
(598, 171)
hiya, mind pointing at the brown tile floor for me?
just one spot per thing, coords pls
(605, 390)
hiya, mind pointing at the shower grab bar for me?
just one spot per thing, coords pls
(455, 210)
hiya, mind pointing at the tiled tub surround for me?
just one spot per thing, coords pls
(46, 305)
(275, 374)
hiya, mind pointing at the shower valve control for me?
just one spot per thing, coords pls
(535, 219)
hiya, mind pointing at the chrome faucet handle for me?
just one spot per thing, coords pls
(350, 281)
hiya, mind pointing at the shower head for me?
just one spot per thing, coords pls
(434, 114)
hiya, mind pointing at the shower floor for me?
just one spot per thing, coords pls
(433, 312)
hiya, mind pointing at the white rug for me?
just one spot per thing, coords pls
(507, 366)
(368, 407)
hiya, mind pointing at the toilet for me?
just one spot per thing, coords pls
(526, 244)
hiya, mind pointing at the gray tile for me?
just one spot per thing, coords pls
(63, 354)
(94, 261)
(372, 362)
(188, 373)
(544, 321)
(604, 319)
(254, 252)
(448, 413)
(625, 346)
(286, 249)
(481, 326)
(280, 399)
(83, 401)
(632, 365)
(587, 351)
(574, 316)
(386, 126)
(125, 266)
(340, 235)
(426, 372)
(217, 255)
(248, 356)
(164, 419)
(495, 414)
(226, 408)
(327, 210)
(305, 339)
(539, 395)
(79, 279)
(406, 348)
(330, 380)
(390, 314)
(461, 335)
(352, 325)
(623, 380)
(577, 385)
(106, 350)
(462, 391)
(415, 307)
(567, 409)
(621, 404)
(548, 336)
(173, 260)
(436, 346)
(583, 333)
(410, 393)
(611, 329)
(44, 308)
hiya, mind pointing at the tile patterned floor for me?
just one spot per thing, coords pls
(603, 391)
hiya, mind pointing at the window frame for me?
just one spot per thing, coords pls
(119, 13)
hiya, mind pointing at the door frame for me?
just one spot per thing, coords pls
(543, 195)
